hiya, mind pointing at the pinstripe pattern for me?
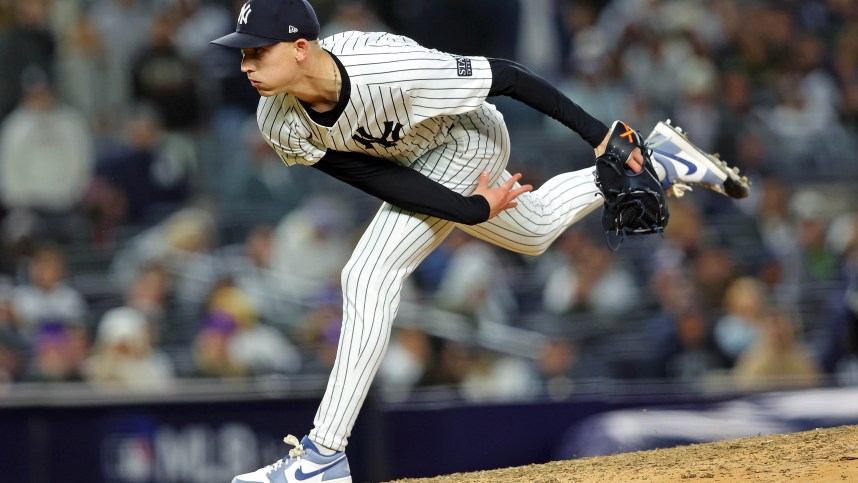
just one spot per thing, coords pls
(391, 248)
(392, 79)
(397, 241)
(409, 105)
(541, 215)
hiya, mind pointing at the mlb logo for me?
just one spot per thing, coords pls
(128, 458)
(463, 67)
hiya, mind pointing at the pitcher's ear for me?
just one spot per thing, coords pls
(302, 49)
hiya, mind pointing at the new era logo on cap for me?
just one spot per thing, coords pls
(272, 21)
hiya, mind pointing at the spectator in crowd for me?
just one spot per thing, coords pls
(10, 364)
(352, 15)
(449, 365)
(83, 73)
(680, 334)
(659, 57)
(778, 359)
(588, 278)
(123, 26)
(43, 178)
(779, 235)
(47, 298)
(404, 363)
(596, 85)
(143, 178)
(734, 104)
(838, 344)
(807, 110)
(756, 158)
(182, 243)
(673, 290)
(248, 265)
(233, 341)
(198, 23)
(317, 329)
(255, 178)
(475, 283)
(539, 36)
(311, 245)
(846, 72)
(821, 264)
(211, 351)
(684, 236)
(555, 366)
(58, 354)
(26, 45)
(715, 268)
(428, 276)
(498, 377)
(124, 356)
(151, 295)
(695, 107)
(745, 305)
(236, 98)
(14, 347)
(160, 76)
(684, 351)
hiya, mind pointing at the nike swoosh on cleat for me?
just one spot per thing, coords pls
(692, 168)
(300, 475)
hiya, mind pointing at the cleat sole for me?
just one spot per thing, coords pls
(737, 188)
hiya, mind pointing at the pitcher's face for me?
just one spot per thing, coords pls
(270, 69)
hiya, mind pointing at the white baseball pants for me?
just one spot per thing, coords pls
(396, 241)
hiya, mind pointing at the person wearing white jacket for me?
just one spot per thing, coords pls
(46, 153)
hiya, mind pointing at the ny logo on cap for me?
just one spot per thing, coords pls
(245, 11)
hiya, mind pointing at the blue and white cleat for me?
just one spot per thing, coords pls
(683, 164)
(303, 465)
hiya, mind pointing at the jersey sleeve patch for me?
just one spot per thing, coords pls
(463, 67)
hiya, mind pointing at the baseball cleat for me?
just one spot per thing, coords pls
(304, 464)
(685, 164)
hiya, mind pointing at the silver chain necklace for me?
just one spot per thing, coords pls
(336, 77)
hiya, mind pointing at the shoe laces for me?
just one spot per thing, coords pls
(294, 453)
(678, 189)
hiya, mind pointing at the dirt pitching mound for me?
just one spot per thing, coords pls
(821, 455)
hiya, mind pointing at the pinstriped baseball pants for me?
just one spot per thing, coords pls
(396, 241)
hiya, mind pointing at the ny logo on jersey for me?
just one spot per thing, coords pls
(242, 15)
(388, 138)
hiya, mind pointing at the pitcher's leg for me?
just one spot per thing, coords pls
(541, 215)
(390, 249)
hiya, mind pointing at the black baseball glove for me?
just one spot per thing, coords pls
(634, 202)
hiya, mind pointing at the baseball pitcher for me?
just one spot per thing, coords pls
(411, 126)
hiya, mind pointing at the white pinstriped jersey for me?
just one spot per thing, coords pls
(404, 100)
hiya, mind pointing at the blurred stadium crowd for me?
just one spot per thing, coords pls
(149, 235)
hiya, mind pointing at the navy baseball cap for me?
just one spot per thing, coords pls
(267, 22)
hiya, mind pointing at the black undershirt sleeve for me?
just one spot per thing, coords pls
(403, 187)
(516, 81)
(410, 190)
